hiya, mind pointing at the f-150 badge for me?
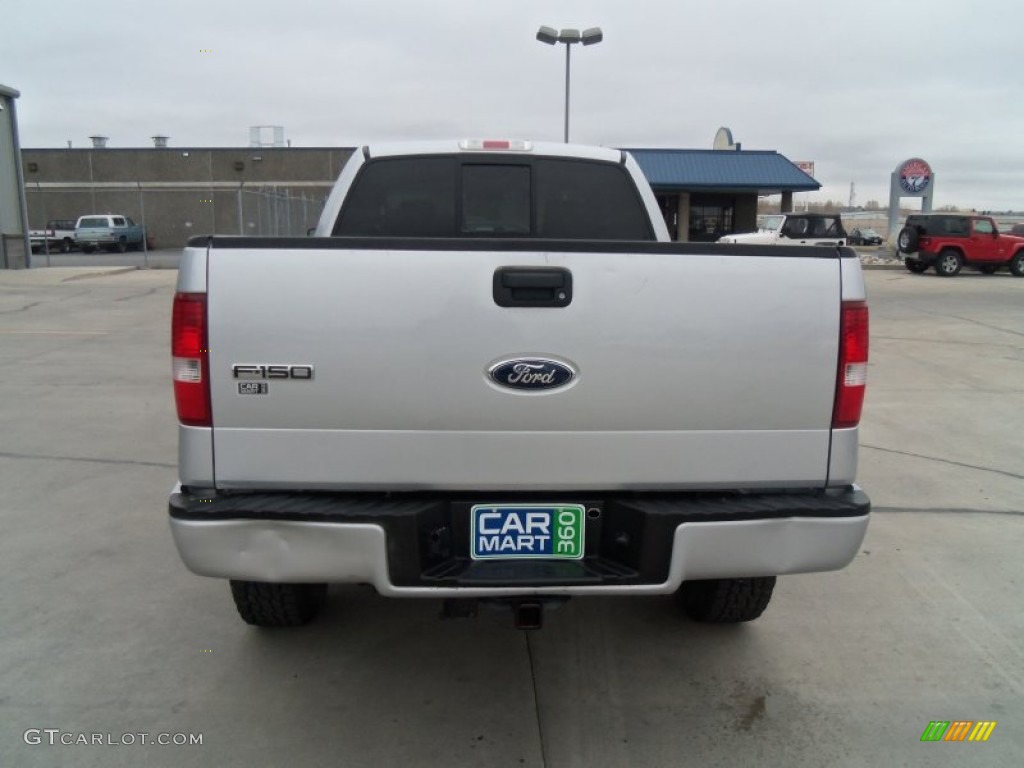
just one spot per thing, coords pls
(531, 374)
(272, 372)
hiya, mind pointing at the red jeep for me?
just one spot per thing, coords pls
(948, 241)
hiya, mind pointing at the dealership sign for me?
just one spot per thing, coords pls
(911, 178)
(807, 166)
(914, 176)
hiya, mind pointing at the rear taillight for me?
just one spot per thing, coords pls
(190, 359)
(853, 364)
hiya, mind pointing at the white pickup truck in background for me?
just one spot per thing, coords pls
(59, 235)
(794, 229)
(489, 377)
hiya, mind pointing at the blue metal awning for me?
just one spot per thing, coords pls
(762, 172)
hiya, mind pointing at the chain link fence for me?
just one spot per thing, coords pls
(273, 212)
(174, 212)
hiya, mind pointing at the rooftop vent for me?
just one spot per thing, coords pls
(160, 142)
(266, 136)
(99, 142)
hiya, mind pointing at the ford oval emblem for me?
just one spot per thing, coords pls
(531, 374)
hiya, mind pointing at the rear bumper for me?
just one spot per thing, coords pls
(415, 546)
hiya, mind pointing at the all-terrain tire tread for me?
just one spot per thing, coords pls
(727, 601)
(277, 605)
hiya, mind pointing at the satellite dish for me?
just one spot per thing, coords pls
(723, 139)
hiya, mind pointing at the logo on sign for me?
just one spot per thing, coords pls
(915, 176)
(807, 166)
(531, 373)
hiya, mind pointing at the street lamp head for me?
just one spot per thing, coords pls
(547, 35)
(569, 37)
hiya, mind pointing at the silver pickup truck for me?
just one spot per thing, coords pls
(489, 377)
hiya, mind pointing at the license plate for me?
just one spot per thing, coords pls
(516, 531)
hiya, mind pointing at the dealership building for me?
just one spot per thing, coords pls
(182, 192)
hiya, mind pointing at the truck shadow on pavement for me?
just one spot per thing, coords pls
(612, 681)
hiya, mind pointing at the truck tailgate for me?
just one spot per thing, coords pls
(695, 368)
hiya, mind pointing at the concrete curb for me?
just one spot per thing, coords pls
(57, 275)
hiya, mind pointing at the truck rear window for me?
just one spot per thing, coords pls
(455, 197)
(495, 200)
(97, 221)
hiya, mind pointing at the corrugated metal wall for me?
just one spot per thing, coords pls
(180, 193)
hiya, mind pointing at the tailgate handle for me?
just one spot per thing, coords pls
(532, 287)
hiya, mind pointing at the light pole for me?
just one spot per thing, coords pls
(569, 37)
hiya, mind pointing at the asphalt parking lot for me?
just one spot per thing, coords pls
(103, 632)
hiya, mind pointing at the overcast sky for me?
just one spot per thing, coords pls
(855, 86)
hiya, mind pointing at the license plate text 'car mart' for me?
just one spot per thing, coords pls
(527, 530)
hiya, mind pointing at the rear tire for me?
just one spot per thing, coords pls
(65, 246)
(725, 601)
(949, 264)
(916, 266)
(264, 604)
(1017, 264)
(121, 246)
